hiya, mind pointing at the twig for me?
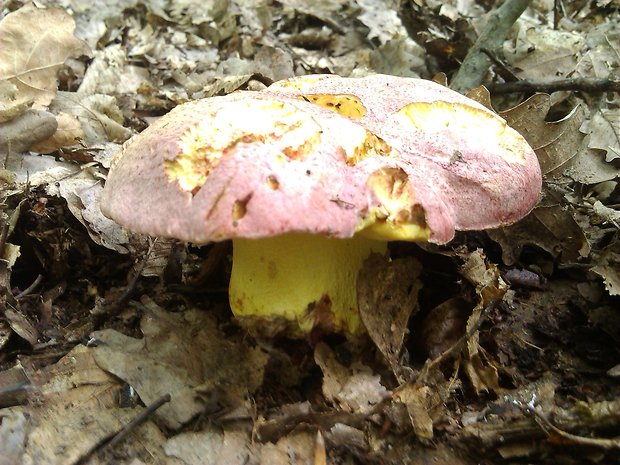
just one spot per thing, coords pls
(111, 440)
(426, 369)
(30, 288)
(501, 67)
(580, 84)
(4, 234)
(546, 425)
(430, 363)
(114, 307)
(476, 63)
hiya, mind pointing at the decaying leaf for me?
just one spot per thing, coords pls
(77, 408)
(387, 296)
(355, 389)
(604, 128)
(552, 228)
(21, 326)
(299, 445)
(564, 147)
(557, 143)
(212, 447)
(38, 41)
(183, 355)
(82, 193)
(490, 287)
(548, 52)
(444, 326)
(481, 95)
(418, 400)
(609, 269)
(100, 118)
(68, 133)
(20, 133)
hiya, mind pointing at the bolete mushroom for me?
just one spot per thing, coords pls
(311, 176)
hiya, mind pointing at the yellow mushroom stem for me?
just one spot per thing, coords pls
(298, 281)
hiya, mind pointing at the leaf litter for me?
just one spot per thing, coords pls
(465, 366)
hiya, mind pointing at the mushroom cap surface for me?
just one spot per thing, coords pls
(393, 158)
(248, 165)
(471, 171)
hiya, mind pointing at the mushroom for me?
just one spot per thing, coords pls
(313, 175)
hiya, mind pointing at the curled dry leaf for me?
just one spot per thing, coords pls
(99, 116)
(200, 368)
(21, 326)
(387, 294)
(552, 228)
(490, 287)
(68, 133)
(37, 42)
(444, 325)
(609, 270)
(354, 389)
(604, 128)
(20, 133)
(556, 143)
(419, 401)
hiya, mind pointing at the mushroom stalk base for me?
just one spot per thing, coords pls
(297, 282)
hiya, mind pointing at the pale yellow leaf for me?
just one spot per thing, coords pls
(35, 43)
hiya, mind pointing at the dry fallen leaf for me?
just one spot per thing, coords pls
(444, 325)
(356, 389)
(490, 287)
(547, 52)
(551, 228)
(20, 133)
(557, 143)
(100, 118)
(418, 401)
(296, 447)
(37, 41)
(184, 355)
(212, 447)
(604, 128)
(75, 410)
(387, 296)
(68, 133)
(609, 269)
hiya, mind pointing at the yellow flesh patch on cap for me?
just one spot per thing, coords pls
(359, 143)
(344, 104)
(398, 217)
(204, 145)
(468, 122)
(297, 83)
(372, 145)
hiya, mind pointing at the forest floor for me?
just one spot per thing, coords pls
(118, 348)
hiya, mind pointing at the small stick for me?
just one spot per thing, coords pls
(30, 288)
(111, 440)
(116, 306)
(476, 63)
(4, 234)
(579, 84)
(546, 425)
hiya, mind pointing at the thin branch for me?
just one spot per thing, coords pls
(547, 426)
(579, 84)
(457, 346)
(476, 63)
(30, 288)
(113, 439)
